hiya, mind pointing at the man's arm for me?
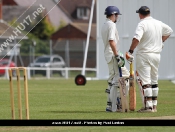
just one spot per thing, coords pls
(129, 55)
(113, 47)
(120, 59)
(135, 41)
(166, 31)
(133, 45)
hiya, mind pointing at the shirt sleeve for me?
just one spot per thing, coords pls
(139, 31)
(166, 30)
(111, 35)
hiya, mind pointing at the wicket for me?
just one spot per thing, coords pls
(10, 70)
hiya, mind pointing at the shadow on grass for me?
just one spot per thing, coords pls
(75, 111)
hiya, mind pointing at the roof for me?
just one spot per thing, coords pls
(55, 15)
(84, 28)
(66, 9)
(6, 31)
(69, 7)
(15, 12)
(75, 31)
(9, 2)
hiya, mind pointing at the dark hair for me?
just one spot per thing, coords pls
(144, 10)
(107, 16)
(145, 14)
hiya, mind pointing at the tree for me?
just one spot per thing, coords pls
(61, 25)
(40, 34)
(43, 30)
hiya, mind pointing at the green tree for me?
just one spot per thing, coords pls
(41, 47)
(61, 25)
(43, 30)
(40, 34)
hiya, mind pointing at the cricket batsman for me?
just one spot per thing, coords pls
(112, 56)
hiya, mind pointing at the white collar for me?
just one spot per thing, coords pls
(107, 19)
(146, 18)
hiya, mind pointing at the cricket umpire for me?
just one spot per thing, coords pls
(149, 37)
(112, 56)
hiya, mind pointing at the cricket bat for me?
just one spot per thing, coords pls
(132, 90)
(139, 83)
(122, 85)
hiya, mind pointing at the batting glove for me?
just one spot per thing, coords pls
(120, 60)
(129, 57)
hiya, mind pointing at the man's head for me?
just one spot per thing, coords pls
(112, 13)
(143, 11)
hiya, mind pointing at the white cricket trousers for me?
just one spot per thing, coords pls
(113, 72)
(113, 80)
(147, 65)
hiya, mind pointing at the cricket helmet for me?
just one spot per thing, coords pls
(112, 10)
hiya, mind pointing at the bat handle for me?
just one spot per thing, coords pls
(131, 68)
(120, 71)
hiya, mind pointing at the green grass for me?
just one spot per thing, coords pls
(71, 74)
(62, 99)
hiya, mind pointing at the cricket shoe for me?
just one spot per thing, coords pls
(119, 110)
(119, 106)
(154, 110)
(108, 109)
(145, 110)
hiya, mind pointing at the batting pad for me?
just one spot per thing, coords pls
(113, 97)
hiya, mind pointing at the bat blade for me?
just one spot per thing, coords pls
(132, 90)
(123, 95)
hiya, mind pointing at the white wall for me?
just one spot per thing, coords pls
(162, 10)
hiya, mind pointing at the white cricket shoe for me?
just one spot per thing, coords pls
(145, 110)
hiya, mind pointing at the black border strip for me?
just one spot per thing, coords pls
(68, 122)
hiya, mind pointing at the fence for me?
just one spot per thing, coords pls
(49, 71)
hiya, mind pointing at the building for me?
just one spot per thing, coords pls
(55, 15)
(75, 14)
(70, 41)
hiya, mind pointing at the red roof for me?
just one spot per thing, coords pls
(75, 31)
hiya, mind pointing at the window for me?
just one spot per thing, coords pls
(56, 60)
(3, 63)
(43, 60)
(83, 13)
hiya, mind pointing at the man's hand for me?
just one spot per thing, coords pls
(165, 38)
(129, 57)
(120, 60)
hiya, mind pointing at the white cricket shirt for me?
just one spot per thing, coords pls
(149, 33)
(109, 32)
